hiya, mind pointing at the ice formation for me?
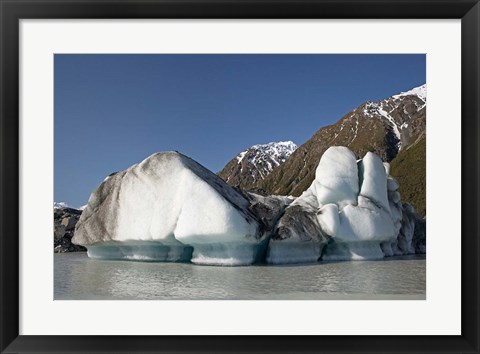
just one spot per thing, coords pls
(169, 208)
(298, 237)
(352, 211)
(268, 209)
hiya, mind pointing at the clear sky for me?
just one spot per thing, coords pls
(112, 111)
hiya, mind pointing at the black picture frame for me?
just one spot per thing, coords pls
(11, 11)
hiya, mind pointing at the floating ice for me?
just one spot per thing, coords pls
(344, 215)
(373, 180)
(141, 251)
(170, 208)
(419, 236)
(298, 237)
(268, 209)
(162, 207)
(406, 232)
(336, 178)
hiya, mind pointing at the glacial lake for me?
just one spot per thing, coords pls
(79, 278)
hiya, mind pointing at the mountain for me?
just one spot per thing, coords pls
(60, 205)
(254, 164)
(386, 128)
(409, 169)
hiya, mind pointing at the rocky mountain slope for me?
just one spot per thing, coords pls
(409, 169)
(386, 128)
(253, 165)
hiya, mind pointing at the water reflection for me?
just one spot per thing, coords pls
(78, 277)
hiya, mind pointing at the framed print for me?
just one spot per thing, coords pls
(239, 177)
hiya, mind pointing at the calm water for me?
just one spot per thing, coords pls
(77, 277)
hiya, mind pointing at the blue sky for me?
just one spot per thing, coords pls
(112, 111)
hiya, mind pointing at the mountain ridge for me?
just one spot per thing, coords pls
(252, 165)
(383, 127)
(386, 127)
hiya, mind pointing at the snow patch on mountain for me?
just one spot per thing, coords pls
(277, 152)
(241, 156)
(256, 163)
(60, 205)
(420, 92)
(392, 122)
(63, 205)
(263, 158)
(384, 108)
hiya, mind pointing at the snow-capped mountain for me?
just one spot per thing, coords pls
(420, 92)
(256, 163)
(400, 111)
(387, 128)
(63, 205)
(60, 205)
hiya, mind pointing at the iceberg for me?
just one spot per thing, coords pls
(407, 224)
(336, 178)
(419, 236)
(297, 238)
(170, 208)
(344, 215)
(268, 209)
(365, 222)
(406, 232)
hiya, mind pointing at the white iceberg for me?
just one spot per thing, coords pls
(365, 223)
(170, 208)
(336, 178)
(165, 208)
(298, 237)
(344, 215)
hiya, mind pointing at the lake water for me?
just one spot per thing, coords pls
(79, 278)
